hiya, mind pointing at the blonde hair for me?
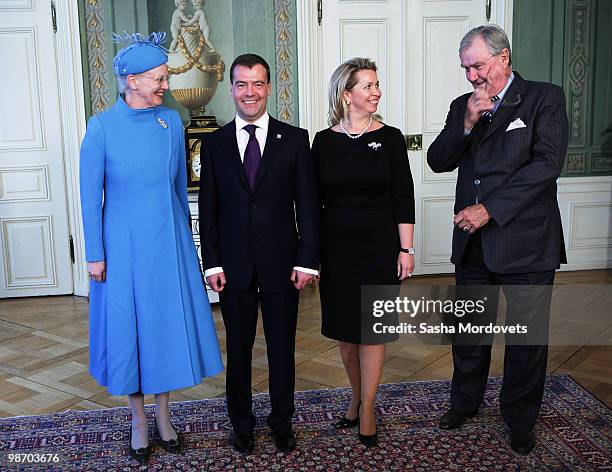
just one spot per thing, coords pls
(345, 78)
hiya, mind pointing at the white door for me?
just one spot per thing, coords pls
(35, 257)
(435, 78)
(371, 29)
(415, 45)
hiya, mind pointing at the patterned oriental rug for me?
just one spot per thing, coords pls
(574, 434)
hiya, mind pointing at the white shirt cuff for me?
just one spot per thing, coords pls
(306, 270)
(213, 271)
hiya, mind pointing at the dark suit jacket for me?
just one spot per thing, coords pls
(512, 173)
(270, 230)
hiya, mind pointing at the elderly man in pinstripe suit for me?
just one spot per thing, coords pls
(508, 139)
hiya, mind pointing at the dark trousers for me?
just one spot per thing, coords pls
(279, 313)
(524, 365)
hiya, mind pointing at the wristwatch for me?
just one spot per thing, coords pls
(410, 250)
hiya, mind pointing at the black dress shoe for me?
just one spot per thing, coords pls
(369, 440)
(452, 419)
(244, 443)
(346, 423)
(522, 442)
(140, 455)
(173, 446)
(285, 441)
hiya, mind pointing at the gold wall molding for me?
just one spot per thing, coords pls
(96, 55)
(285, 86)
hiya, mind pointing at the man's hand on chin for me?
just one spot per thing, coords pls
(472, 218)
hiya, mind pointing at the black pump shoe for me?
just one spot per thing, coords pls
(173, 446)
(140, 455)
(369, 440)
(346, 423)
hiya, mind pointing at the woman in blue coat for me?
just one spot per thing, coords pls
(151, 329)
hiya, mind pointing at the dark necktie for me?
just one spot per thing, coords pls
(252, 156)
(487, 116)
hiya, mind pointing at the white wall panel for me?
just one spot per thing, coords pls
(15, 5)
(442, 83)
(586, 213)
(28, 252)
(20, 91)
(590, 225)
(436, 229)
(367, 38)
(24, 184)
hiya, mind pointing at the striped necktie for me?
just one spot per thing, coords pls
(487, 116)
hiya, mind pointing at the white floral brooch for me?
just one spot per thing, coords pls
(374, 145)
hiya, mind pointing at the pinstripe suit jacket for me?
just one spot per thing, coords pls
(512, 173)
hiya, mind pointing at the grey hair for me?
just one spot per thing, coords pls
(121, 83)
(345, 78)
(494, 37)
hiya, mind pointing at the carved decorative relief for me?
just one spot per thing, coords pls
(578, 66)
(96, 55)
(576, 163)
(284, 60)
(601, 163)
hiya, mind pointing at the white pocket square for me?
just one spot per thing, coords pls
(518, 123)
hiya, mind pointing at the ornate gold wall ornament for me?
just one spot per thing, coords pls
(193, 62)
(96, 54)
(284, 72)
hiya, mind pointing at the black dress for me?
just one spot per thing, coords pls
(366, 189)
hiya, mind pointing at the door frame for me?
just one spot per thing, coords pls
(71, 95)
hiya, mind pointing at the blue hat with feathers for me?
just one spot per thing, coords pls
(141, 54)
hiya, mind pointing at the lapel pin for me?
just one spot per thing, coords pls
(162, 123)
(374, 145)
(278, 136)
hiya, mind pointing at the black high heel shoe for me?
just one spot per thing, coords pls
(140, 455)
(369, 440)
(344, 422)
(173, 446)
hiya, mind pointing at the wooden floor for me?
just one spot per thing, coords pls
(44, 351)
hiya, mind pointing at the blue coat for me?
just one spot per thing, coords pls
(151, 328)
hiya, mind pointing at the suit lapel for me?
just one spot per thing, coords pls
(507, 107)
(233, 154)
(270, 149)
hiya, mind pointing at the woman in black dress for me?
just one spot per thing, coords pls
(367, 224)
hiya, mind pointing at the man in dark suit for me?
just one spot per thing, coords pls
(508, 138)
(259, 224)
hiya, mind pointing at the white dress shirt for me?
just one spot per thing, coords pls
(242, 138)
(261, 133)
